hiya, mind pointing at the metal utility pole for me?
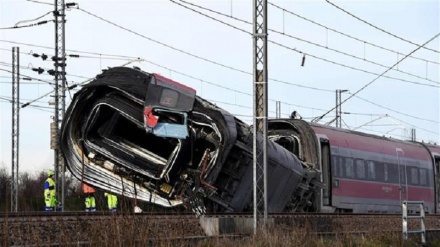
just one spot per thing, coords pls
(60, 90)
(278, 109)
(15, 126)
(260, 78)
(413, 135)
(338, 107)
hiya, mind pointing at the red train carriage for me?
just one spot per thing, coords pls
(363, 173)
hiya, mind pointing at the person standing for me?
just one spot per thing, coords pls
(49, 192)
(112, 201)
(89, 194)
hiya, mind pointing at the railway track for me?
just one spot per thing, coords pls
(65, 228)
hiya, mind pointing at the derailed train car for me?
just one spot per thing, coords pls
(145, 136)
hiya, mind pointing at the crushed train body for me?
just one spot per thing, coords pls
(145, 136)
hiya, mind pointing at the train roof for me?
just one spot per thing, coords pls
(355, 140)
(374, 143)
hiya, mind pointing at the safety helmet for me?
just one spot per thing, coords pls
(50, 173)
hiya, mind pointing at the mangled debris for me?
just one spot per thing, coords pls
(145, 136)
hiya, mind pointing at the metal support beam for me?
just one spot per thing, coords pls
(260, 79)
(15, 127)
(60, 90)
(278, 109)
(413, 135)
(338, 107)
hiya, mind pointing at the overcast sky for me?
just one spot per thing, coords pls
(341, 52)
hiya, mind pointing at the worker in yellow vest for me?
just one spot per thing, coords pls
(49, 192)
(89, 194)
(112, 201)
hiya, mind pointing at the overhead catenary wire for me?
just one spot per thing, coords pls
(307, 53)
(330, 90)
(24, 83)
(354, 68)
(375, 79)
(28, 25)
(350, 36)
(398, 112)
(34, 1)
(304, 40)
(8, 98)
(26, 76)
(70, 50)
(105, 57)
(418, 127)
(378, 75)
(36, 107)
(237, 91)
(73, 86)
(132, 57)
(380, 29)
(161, 43)
(35, 19)
(45, 69)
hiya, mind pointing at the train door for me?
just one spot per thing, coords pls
(437, 181)
(403, 180)
(325, 168)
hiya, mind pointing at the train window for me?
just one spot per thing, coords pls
(349, 169)
(414, 176)
(385, 173)
(371, 170)
(169, 98)
(335, 166)
(360, 169)
(340, 166)
(422, 173)
(379, 169)
(406, 174)
(393, 173)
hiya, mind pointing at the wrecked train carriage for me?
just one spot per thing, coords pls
(145, 136)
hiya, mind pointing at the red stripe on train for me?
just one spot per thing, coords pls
(365, 189)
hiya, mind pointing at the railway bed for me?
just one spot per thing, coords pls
(67, 228)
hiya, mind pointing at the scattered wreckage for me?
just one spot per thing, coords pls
(145, 136)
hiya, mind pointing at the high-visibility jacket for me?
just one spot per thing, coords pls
(112, 201)
(49, 194)
(90, 198)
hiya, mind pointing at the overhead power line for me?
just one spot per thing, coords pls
(29, 25)
(302, 40)
(29, 77)
(50, 71)
(161, 43)
(204, 81)
(354, 68)
(70, 50)
(129, 58)
(34, 1)
(35, 19)
(398, 112)
(371, 82)
(306, 53)
(380, 29)
(349, 36)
